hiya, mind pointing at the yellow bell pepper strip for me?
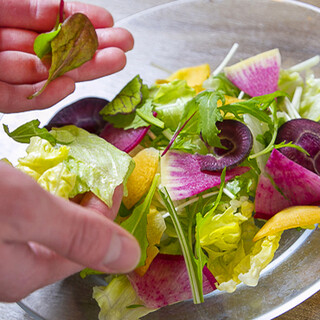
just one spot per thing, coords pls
(195, 76)
(292, 217)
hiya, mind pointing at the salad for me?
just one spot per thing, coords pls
(216, 165)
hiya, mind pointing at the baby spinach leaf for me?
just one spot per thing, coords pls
(75, 44)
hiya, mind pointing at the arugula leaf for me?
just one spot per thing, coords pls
(136, 224)
(255, 106)
(209, 115)
(28, 130)
(75, 44)
(190, 260)
(128, 99)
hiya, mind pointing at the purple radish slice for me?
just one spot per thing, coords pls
(306, 134)
(237, 138)
(298, 185)
(83, 113)
(257, 75)
(156, 287)
(182, 176)
(125, 140)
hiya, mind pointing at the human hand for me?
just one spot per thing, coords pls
(44, 238)
(22, 73)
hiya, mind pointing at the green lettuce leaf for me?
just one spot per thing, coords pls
(310, 101)
(221, 83)
(289, 81)
(46, 164)
(232, 255)
(119, 301)
(99, 166)
(169, 101)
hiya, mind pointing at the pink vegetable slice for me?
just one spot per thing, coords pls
(257, 75)
(124, 140)
(167, 282)
(298, 185)
(182, 176)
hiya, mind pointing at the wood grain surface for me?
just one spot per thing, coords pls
(309, 309)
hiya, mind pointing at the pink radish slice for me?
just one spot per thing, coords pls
(257, 75)
(298, 185)
(182, 176)
(124, 140)
(167, 282)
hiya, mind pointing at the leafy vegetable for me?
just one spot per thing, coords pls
(136, 224)
(28, 130)
(190, 260)
(127, 100)
(115, 300)
(75, 44)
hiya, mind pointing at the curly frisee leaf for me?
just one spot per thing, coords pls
(75, 44)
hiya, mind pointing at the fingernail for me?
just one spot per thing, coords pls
(123, 254)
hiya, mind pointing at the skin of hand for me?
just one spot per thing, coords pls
(22, 73)
(44, 238)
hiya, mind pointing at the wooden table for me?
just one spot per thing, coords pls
(308, 310)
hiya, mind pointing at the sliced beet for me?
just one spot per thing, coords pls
(124, 140)
(237, 138)
(83, 113)
(306, 134)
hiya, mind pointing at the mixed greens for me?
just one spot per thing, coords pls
(213, 153)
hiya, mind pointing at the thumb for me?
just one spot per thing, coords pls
(74, 232)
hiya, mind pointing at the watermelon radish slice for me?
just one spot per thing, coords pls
(257, 75)
(167, 282)
(181, 174)
(298, 185)
(306, 134)
(124, 140)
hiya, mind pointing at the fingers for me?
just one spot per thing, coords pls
(41, 15)
(115, 37)
(92, 202)
(13, 98)
(17, 39)
(74, 232)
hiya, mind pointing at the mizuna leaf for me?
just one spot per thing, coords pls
(75, 44)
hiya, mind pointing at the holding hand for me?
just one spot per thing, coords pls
(22, 73)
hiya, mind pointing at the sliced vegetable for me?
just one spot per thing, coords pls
(290, 179)
(257, 75)
(237, 139)
(125, 140)
(181, 174)
(139, 182)
(155, 288)
(306, 134)
(83, 113)
(293, 217)
(195, 76)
